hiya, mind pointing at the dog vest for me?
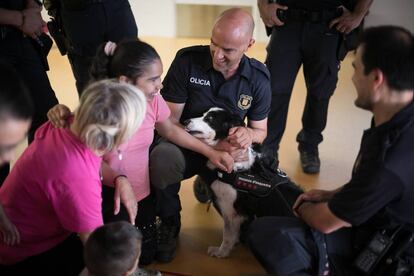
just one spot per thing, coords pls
(258, 185)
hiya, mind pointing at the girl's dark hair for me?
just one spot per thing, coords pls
(15, 100)
(130, 58)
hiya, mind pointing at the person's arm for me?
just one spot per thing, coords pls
(320, 217)
(8, 230)
(242, 137)
(123, 191)
(349, 20)
(268, 12)
(180, 137)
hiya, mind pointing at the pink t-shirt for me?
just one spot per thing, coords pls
(53, 190)
(134, 154)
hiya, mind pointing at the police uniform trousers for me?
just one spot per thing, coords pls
(170, 164)
(17, 50)
(89, 27)
(287, 246)
(314, 46)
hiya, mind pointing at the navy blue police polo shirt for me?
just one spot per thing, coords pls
(192, 80)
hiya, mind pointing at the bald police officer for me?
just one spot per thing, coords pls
(201, 77)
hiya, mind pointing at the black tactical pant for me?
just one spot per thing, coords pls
(86, 29)
(314, 46)
(19, 51)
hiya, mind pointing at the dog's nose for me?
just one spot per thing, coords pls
(187, 122)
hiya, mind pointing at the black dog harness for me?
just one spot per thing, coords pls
(259, 184)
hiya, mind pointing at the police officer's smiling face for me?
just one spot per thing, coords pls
(227, 48)
(150, 81)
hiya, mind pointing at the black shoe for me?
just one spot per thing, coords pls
(309, 160)
(167, 235)
(149, 243)
(201, 190)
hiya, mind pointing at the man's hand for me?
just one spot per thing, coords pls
(58, 115)
(125, 194)
(240, 137)
(32, 22)
(268, 13)
(8, 230)
(347, 21)
(315, 195)
(221, 160)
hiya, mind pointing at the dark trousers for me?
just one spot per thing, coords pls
(145, 220)
(287, 246)
(170, 164)
(86, 29)
(65, 259)
(314, 46)
(20, 52)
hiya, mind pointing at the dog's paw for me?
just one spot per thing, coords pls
(215, 251)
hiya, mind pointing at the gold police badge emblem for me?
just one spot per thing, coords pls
(245, 101)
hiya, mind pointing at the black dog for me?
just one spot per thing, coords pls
(255, 188)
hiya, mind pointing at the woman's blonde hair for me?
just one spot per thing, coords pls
(109, 113)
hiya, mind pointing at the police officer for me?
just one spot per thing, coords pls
(20, 26)
(89, 23)
(361, 219)
(305, 33)
(199, 78)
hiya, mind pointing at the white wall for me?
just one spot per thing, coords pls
(157, 17)
(394, 12)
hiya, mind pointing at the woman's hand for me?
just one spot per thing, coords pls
(58, 115)
(8, 230)
(125, 194)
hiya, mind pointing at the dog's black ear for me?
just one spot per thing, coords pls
(236, 121)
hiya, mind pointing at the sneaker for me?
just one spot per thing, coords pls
(309, 160)
(201, 190)
(149, 243)
(167, 235)
(146, 272)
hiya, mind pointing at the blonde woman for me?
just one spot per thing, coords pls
(53, 194)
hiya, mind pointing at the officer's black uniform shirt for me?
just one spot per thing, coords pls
(192, 80)
(380, 193)
(312, 5)
(12, 4)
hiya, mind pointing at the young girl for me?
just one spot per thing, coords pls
(53, 193)
(138, 63)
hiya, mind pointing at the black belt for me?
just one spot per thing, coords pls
(293, 14)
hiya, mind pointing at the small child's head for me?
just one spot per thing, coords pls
(113, 250)
(133, 61)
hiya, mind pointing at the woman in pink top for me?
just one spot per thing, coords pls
(138, 63)
(53, 192)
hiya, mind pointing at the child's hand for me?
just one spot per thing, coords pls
(58, 115)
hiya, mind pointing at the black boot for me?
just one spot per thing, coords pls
(149, 243)
(167, 235)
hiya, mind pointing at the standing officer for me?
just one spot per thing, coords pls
(86, 25)
(199, 78)
(309, 33)
(347, 231)
(20, 26)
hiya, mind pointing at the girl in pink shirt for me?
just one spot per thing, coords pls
(138, 63)
(54, 189)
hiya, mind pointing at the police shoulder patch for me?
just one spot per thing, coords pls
(245, 101)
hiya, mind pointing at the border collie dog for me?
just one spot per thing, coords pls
(255, 187)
